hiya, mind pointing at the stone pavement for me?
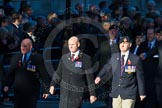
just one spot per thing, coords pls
(54, 104)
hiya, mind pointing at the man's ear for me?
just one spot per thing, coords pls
(130, 44)
(31, 46)
(78, 44)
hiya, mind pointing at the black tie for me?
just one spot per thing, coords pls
(24, 60)
(122, 65)
(149, 45)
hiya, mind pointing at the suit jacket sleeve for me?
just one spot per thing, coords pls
(11, 73)
(89, 76)
(105, 70)
(140, 78)
(44, 76)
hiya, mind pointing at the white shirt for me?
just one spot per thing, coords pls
(15, 25)
(111, 41)
(76, 54)
(152, 43)
(135, 50)
(32, 36)
(125, 57)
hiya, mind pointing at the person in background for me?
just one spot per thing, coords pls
(159, 35)
(148, 52)
(29, 29)
(138, 40)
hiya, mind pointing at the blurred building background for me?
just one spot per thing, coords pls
(43, 7)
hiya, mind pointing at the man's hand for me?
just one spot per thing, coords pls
(45, 96)
(97, 80)
(52, 90)
(5, 89)
(92, 99)
(142, 97)
(143, 56)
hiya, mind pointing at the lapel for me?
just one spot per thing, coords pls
(146, 46)
(69, 57)
(155, 45)
(129, 59)
(21, 58)
(14, 26)
(80, 55)
(28, 59)
(116, 64)
(118, 57)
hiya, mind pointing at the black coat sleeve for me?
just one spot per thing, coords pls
(11, 73)
(57, 75)
(89, 77)
(43, 74)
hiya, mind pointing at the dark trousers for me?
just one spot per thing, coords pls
(150, 100)
(108, 102)
(159, 95)
(24, 101)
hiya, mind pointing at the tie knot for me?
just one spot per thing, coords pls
(72, 55)
(149, 45)
(123, 56)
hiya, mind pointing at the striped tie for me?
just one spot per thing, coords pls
(122, 65)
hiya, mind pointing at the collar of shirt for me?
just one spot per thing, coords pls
(32, 36)
(152, 43)
(111, 41)
(76, 54)
(27, 56)
(125, 57)
(16, 25)
(135, 50)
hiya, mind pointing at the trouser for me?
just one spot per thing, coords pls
(21, 101)
(123, 103)
(159, 94)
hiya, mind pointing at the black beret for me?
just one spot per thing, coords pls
(122, 39)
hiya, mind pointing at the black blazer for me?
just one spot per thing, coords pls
(129, 84)
(27, 78)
